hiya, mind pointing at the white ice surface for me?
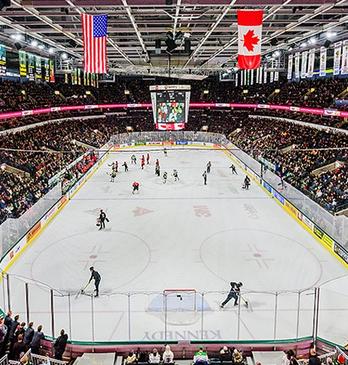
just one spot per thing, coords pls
(179, 235)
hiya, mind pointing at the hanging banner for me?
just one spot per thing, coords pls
(46, 69)
(249, 38)
(31, 67)
(265, 76)
(290, 62)
(2, 60)
(311, 59)
(241, 78)
(252, 77)
(344, 68)
(297, 65)
(271, 77)
(257, 75)
(304, 64)
(38, 70)
(337, 58)
(276, 76)
(322, 66)
(261, 74)
(22, 64)
(236, 79)
(52, 78)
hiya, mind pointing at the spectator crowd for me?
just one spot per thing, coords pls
(30, 158)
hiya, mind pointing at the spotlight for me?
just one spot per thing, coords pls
(330, 35)
(64, 56)
(51, 50)
(34, 43)
(313, 40)
(304, 44)
(41, 46)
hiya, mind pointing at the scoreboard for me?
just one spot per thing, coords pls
(170, 106)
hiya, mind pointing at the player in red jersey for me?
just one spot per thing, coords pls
(135, 187)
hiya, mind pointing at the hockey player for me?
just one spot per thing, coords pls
(157, 170)
(135, 187)
(96, 277)
(157, 162)
(246, 183)
(133, 160)
(233, 169)
(164, 177)
(101, 220)
(113, 175)
(165, 152)
(208, 167)
(205, 177)
(142, 163)
(233, 293)
(176, 176)
(116, 166)
(125, 166)
(148, 158)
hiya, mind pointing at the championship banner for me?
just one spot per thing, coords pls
(265, 76)
(52, 78)
(47, 69)
(236, 80)
(38, 70)
(271, 77)
(311, 59)
(22, 64)
(78, 76)
(249, 38)
(337, 58)
(297, 65)
(304, 64)
(66, 78)
(241, 78)
(261, 74)
(322, 66)
(344, 68)
(31, 67)
(2, 60)
(252, 77)
(276, 76)
(290, 62)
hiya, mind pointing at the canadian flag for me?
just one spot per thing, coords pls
(249, 38)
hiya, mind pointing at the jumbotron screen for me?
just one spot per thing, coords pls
(170, 105)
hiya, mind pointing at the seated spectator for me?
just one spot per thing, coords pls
(237, 357)
(225, 354)
(201, 357)
(131, 358)
(292, 358)
(168, 356)
(142, 357)
(154, 357)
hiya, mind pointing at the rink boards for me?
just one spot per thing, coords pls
(189, 324)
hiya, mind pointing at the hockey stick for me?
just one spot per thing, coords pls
(82, 291)
(245, 302)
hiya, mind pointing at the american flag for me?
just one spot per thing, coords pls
(94, 29)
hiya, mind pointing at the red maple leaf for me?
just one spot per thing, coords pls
(250, 40)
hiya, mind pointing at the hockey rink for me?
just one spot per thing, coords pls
(182, 235)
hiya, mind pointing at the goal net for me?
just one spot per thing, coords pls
(179, 300)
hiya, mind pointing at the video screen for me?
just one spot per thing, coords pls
(170, 107)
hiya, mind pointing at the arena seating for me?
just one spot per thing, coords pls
(262, 139)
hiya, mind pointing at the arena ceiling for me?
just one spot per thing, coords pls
(134, 26)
